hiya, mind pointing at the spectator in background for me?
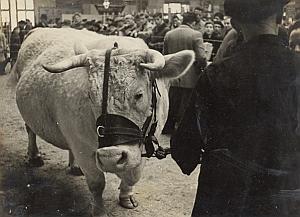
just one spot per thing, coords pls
(218, 16)
(15, 44)
(227, 24)
(23, 31)
(57, 23)
(183, 37)
(28, 25)
(218, 30)
(97, 27)
(130, 25)
(120, 24)
(110, 26)
(176, 21)
(199, 25)
(76, 21)
(294, 36)
(158, 33)
(214, 36)
(208, 30)
(43, 21)
(66, 23)
(144, 27)
(3, 52)
(210, 36)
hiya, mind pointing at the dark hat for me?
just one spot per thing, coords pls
(219, 23)
(253, 10)
(22, 22)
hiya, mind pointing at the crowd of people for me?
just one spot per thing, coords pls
(152, 28)
(237, 117)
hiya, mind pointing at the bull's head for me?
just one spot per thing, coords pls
(129, 92)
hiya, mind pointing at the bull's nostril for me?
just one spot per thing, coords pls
(123, 158)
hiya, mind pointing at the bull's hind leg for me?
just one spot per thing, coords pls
(34, 157)
(73, 169)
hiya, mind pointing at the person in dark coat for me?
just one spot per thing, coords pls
(15, 44)
(242, 123)
(158, 33)
(43, 21)
(183, 38)
(294, 36)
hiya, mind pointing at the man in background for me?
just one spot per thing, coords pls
(183, 37)
(158, 33)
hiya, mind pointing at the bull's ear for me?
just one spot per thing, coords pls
(177, 64)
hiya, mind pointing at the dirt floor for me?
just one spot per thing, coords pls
(49, 192)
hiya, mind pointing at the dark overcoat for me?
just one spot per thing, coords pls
(243, 121)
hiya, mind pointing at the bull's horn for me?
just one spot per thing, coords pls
(156, 60)
(70, 63)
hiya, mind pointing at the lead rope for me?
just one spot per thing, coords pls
(150, 139)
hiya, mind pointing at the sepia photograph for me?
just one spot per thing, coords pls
(149, 108)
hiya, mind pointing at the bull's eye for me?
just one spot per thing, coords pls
(138, 96)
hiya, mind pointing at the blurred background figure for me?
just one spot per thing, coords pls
(199, 25)
(15, 44)
(218, 16)
(294, 36)
(208, 30)
(120, 25)
(76, 21)
(23, 31)
(218, 30)
(144, 27)
(130, 25)
(158, 33)
(3, 52)
(183, 37)
(176, 21)
(43, 21)
(227, 24)
(66, 23)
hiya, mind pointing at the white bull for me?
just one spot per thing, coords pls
(62, 108)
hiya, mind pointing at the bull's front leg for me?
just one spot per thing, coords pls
(128, 180)
(96, 182)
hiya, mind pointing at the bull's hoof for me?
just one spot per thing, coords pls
(128, 202)
(74, 171)
(36, 162)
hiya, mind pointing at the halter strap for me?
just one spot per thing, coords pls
(105, 81)
(115, 129)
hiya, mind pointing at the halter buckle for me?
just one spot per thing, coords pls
(100, 131)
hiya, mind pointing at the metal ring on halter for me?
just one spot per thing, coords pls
(100, 131)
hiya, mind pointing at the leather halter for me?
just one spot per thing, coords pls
(116, 129)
